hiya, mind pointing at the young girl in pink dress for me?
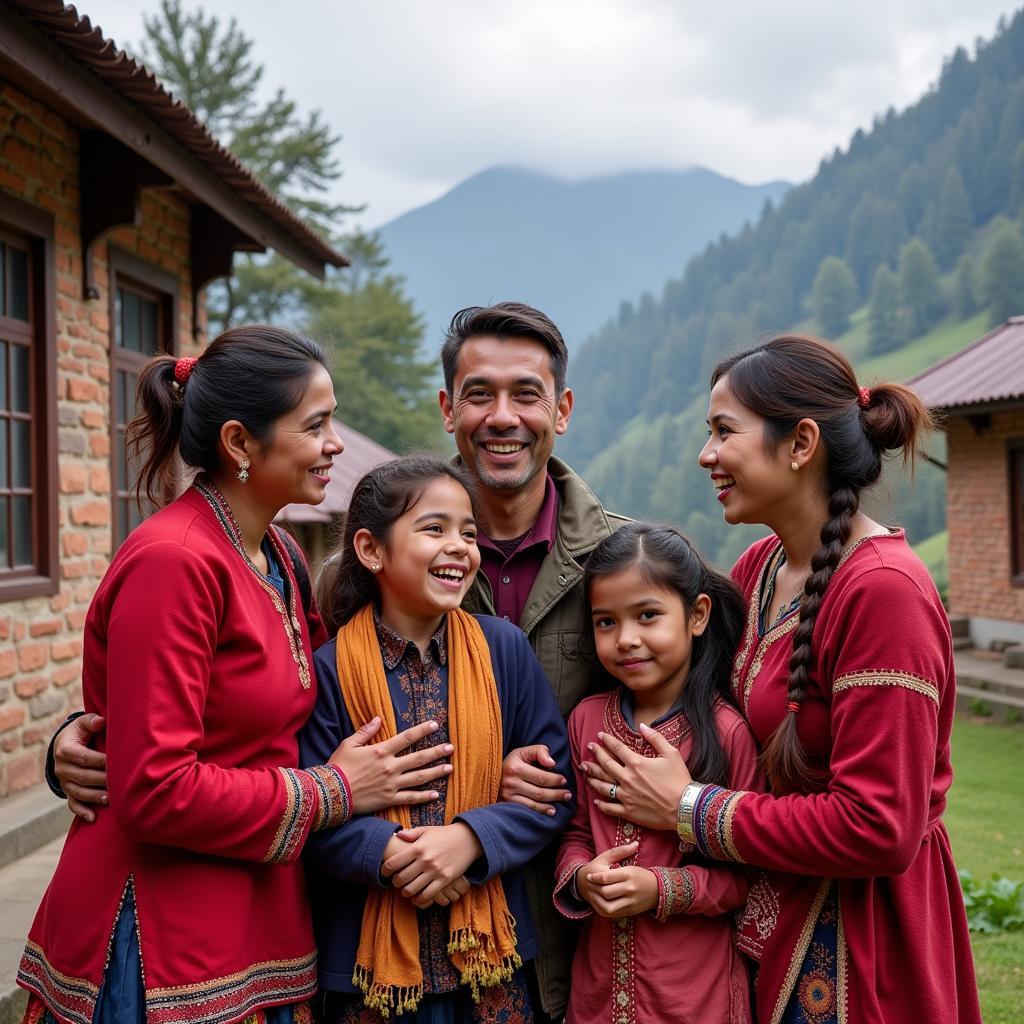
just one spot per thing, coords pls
(657, 942)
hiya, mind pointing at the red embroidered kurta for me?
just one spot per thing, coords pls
(876, 720)
(680, 964)
(203, 676)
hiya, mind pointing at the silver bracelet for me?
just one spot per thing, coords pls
(687, 802)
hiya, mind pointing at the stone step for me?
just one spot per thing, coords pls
(994, 680)
(972, 700)
(28, 820)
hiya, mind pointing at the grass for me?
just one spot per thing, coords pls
(942, 340)
(986, 827)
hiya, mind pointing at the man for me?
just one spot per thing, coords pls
(505, 401)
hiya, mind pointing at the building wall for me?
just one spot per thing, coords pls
(979, 521)
(41, 638)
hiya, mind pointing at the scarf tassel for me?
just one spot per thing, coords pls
(478, 959)
(386, 998)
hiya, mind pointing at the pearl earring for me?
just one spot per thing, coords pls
(375, 567)
(794, 466)
(243, 471)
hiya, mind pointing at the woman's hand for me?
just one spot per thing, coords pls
(524, 782)
(80, 770)
(614, 890)
(380, 775)
(435, 858)
(647, 790)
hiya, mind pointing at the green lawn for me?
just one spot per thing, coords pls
(985, 819)
(934, 552)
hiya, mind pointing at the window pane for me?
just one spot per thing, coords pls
(22, 530)
(118, 308)
(4, 479)
(119, 401)
(21, 453)
(5, 561)
(20, 396)
(134, 515)
(150, 312)
(122, 519)
(130, 323)
(17, 283)
(121, 462)
(3, 376)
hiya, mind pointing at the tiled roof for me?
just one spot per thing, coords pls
(360, 455)
(987, 371)
(131, 79)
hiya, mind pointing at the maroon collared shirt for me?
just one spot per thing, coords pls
(511, 573)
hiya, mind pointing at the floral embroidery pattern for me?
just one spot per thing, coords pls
(815, 999)
(675, 892)
(887, 677)
(758, 918)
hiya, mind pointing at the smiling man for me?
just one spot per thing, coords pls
(505, 401)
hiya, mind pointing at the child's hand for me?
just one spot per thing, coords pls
(617, 891)
(434, 857)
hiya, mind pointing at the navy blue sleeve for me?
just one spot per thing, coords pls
(353, 851)
(510, 833)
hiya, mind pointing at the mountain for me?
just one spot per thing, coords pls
(927, 203)
(572, 249)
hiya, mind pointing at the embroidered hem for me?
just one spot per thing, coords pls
(712, 822)
(302, 799)
(335, 796)
(570, 904)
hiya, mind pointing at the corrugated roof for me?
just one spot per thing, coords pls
(131, 79)
(360, 454)
(988, 370)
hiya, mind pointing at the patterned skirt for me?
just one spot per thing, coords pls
(815, 995)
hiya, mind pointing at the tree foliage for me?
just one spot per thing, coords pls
(833, 296)
(1002, 272)
(920, 294)
(885, 317)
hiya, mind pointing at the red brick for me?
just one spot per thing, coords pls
(32, 657)
(11, 718)
(24, 771)
(59, 601)
(64, 649)
(65, 674)
(8, 664)
(99, 445)
(45, 628)
(93, 418)
(74, 542)
(80, 390)
(99, 480)
(91, 513)
(30, 686)
(72, 478)
(76, 618)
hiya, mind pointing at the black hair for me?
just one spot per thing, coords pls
(666, 559)
(793, 377)
(381, 497)
(255, 374)
(504, 320)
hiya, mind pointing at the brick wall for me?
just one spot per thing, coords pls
(40, 638)
(979, 519)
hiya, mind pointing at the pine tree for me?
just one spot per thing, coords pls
(885, 320)
(953, 220)
(965, 288)
(920, 293)
(1002, 272)
(833, 296)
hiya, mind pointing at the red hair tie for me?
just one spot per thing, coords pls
(793, 706)
(864, 397)
(183, 368)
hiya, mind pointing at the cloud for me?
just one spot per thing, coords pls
(426, 94)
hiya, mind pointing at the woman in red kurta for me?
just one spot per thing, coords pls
(185, 902)
(846, 675)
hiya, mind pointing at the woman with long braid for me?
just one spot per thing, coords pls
(845, 673)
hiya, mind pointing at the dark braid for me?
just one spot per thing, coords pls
(785, 380)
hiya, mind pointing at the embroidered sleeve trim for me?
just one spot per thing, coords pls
(567, 900)
(888, 677)
(335, 796)
(712, 822)
(301, 804)
(675, 892)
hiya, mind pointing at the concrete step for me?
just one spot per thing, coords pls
(988, 674)
(970, 700)
(28, 820)
(22, 884)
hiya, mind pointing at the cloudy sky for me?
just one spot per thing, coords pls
(427, 92)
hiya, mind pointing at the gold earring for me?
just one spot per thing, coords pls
(794, 466)
(243, 471)
(375, 567)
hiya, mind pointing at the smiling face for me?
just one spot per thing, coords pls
(295, 464)
(430, 557)
(503, 410)
(644, 635)
(755, 484)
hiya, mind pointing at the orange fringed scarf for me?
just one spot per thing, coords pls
(481, 930)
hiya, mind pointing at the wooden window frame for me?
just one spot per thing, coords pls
(1015, 475)
(127, 270)
(35, 227)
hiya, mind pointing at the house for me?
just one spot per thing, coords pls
(317, 527)
(979, 393)
(116, 208)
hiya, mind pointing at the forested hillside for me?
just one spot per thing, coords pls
(902, 247)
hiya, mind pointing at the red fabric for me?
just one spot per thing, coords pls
(523, 565)
(876, 720)
(687, 962)
(188, 660)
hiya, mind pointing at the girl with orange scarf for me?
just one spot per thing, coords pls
(420, 913)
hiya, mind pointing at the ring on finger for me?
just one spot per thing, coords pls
(612, 790)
